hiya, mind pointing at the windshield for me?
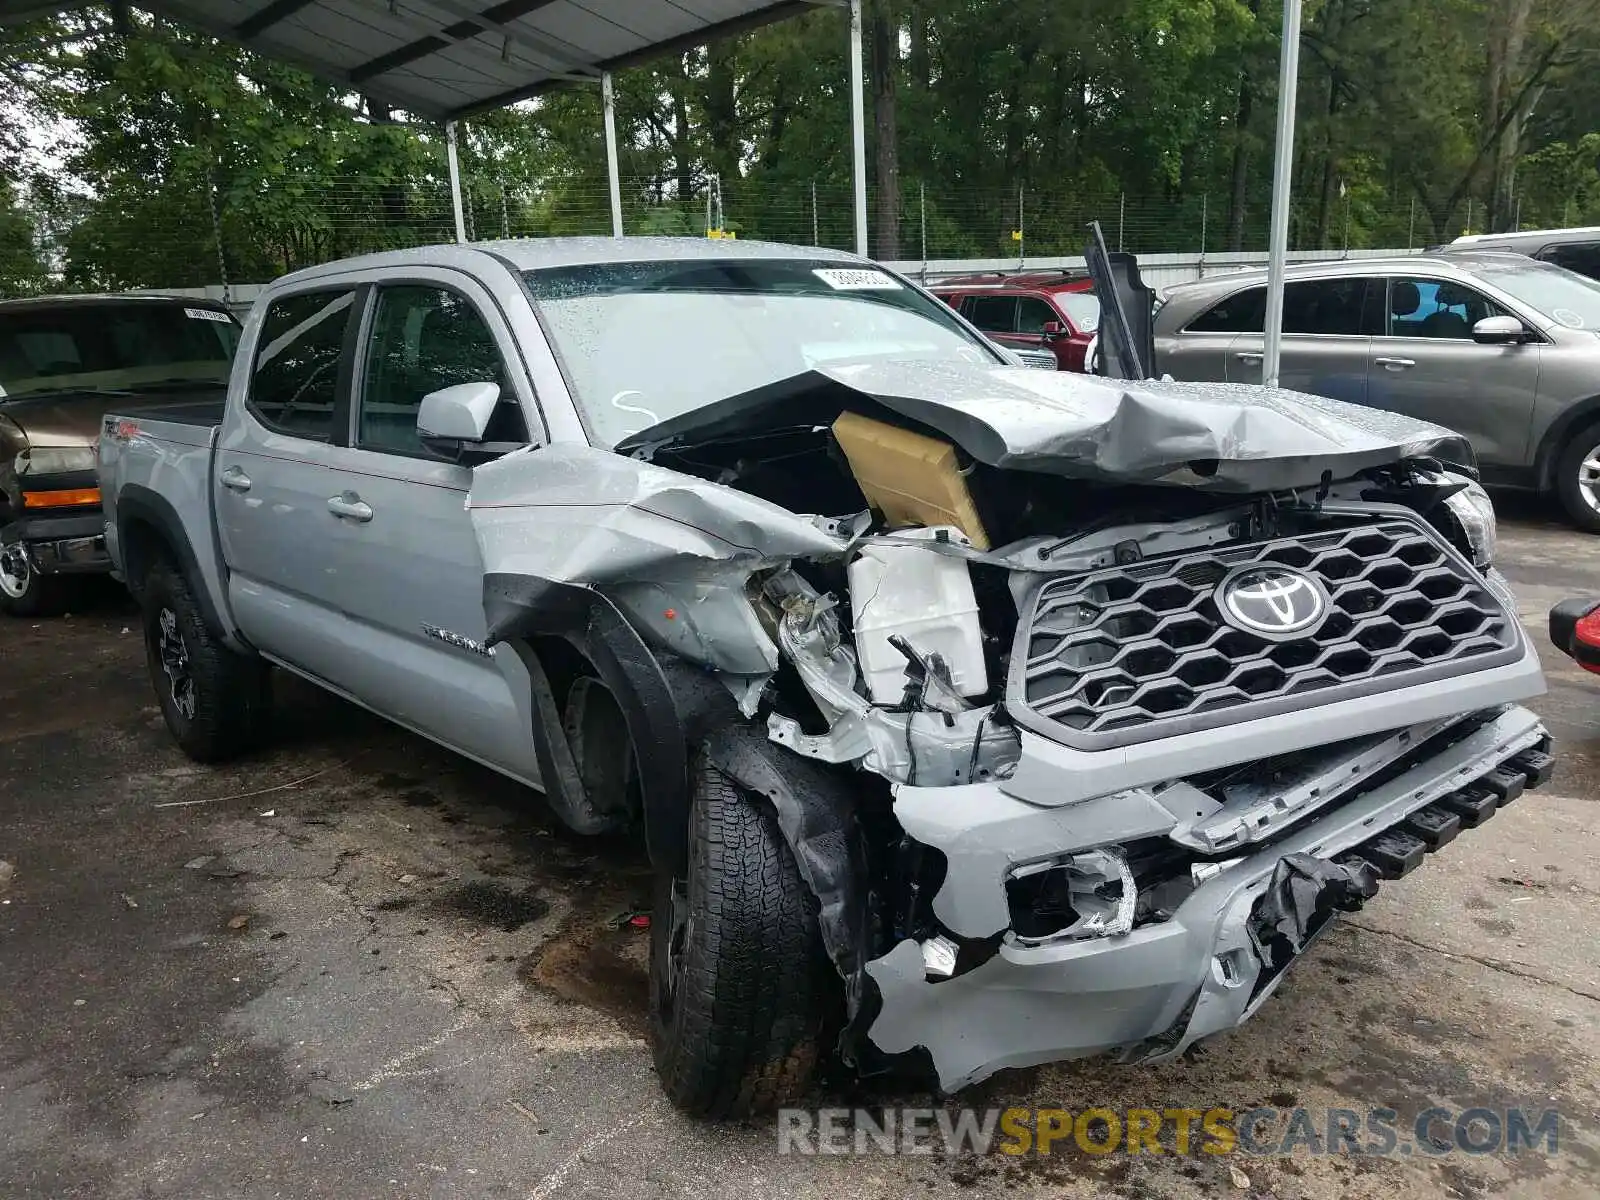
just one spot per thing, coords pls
(1565, 297)
(113, 347)
(641, 343)
(1081, 308)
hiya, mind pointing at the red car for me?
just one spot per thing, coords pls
(1052, 311)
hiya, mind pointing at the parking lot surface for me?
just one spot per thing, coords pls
(356, 965)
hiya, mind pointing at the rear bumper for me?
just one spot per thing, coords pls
(70, 545)
(1151, 993)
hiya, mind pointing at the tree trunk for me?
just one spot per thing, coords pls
(722, 115)
(1239, 182)
(1239, 190)
(884, 36)
(1507, 43)
(682, 141)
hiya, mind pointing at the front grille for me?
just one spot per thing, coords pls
(1129, 653)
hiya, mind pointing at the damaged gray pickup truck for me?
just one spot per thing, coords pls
(974, 716)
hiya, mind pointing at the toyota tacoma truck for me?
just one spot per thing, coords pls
(64, 360)
(973, 716)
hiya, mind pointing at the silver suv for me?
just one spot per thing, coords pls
(1498, 346)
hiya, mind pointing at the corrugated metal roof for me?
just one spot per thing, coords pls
(450, 58)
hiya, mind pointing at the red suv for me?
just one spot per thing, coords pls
(1056, 312)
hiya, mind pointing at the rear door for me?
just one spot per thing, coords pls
(1202, 350)
(275, 472)
(1327, 333)
(411, 576)
(995, 314)
(1427, 365)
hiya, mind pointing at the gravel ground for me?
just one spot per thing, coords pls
(357, 965)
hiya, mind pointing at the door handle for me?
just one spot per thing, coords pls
(1395, 364)
(235, 480)
(351, 506)
(1249, 356)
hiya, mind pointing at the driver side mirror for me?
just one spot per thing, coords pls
(1052, 329)
(1499, 331)
(454, 418)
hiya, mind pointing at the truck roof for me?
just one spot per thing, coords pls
(530, 254)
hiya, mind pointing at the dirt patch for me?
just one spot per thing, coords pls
(487, 903)
(598, 966)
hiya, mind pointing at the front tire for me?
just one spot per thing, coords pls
(216, 703)
(737, 975)
(1578, 479)
(23, 591)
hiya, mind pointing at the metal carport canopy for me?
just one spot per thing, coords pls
(446, 59)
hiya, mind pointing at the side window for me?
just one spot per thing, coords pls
(993, 314)
(1582, 257)
(1433, 308)
(295, 383)
(1033, 313)
(425, 338)
(1242, 312)
(1328, 307)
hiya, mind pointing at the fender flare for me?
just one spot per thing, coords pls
(139, 504)
(667, 704)
(1575, 417)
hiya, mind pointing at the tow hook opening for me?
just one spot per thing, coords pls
(1089, 894)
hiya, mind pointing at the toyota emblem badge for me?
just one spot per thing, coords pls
(1272, 602)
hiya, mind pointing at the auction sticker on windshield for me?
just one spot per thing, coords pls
(845, 279)
(207, 314)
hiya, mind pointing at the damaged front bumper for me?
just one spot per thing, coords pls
(1152, 992)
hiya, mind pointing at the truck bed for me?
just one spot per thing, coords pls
(205, 413)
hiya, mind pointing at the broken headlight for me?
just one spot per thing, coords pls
(1474, 512)
(1090, 894)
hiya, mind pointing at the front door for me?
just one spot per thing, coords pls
(1427, 365)
(411, 575)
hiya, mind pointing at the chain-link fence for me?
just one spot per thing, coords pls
(178, 237)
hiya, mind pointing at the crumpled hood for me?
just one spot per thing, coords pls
(1144, 430)
(1221, 436)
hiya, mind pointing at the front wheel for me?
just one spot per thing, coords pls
(737, 975)
(1578, 479)
(23, 591)
(216, 702)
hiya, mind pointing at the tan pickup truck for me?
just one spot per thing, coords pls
(64, 360)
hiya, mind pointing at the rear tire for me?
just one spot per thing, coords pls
(23, 591)
(1578, 479)
(737, 975)
(216, 702)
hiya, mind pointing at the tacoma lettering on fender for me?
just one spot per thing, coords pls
(973, 716)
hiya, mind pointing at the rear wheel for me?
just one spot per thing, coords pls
(737, 976)
(23, 591)
(216, 702)
(1578, 479)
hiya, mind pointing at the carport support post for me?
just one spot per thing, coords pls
(858, 128)
(455, 180)
(608, 101)
(1282, 171)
